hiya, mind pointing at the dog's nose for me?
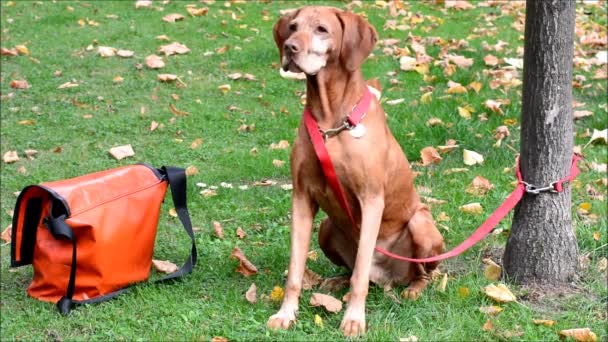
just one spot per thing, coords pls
(292, 46)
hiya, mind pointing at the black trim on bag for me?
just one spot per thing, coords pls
(157, 172)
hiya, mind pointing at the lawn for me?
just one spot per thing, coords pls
(226, 135)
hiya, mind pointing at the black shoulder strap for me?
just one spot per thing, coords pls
(60, 229)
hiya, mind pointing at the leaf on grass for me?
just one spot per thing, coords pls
(494, 106)
(172, 212)
(426, 98)
(579, 114)
(251, 294)
(278, 163)
(491, 60)
(499, 293)
(121, 152)
(208, 193)
(29, 153)
(515, 62)
(197, 12)
(310, 279)
(173, 17)
(23, 50)
(154, 62)
(143, 4)
(153, 125)
(219, 231)
(461, 61)
(125, 53)
(602, 265)
(245, 267)
(490, 310)
(492, 270)
(224, 88)
(318, 321)
(10, 157)
(599, 136)
(487, 326)
(330, 303)
(174, 48)
(166, 77)
(479, 186)
(411, 338)
(164, 266)
(472, 208)
(598, 167)
(434, 122)
(106, 51)
(19, 84)
(176, 111)
(277, 294)
(219, 339)
(455, 88)
(191, 171)
(458, 4)
(394, 102)
(471, 157)
(579, 334)
(429, 155)
(463, 292)
(545, 322)
(281, 145)
(6, 233)
(476, 86)
(240, 233)
(443, 283)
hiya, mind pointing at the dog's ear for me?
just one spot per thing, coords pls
(281, 31)
(358, 39)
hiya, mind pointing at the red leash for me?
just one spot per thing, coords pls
(318, 141)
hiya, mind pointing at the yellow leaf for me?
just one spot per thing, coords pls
(471, 157)
(318, 321)
(458, 89)
(472, 208)
(597, 236)
(422, 69)
(463, 112)
(585, 206)
(172, 212)
(23, 50)
(277, 294)
(191, 170)
(475, 86)
(545, 322)
(580, 334)
(463, 292)
(426, 98)
(490, 310)
(510, 122)
(443, 283)
(492, 270)
(225, 88)
(499, 293)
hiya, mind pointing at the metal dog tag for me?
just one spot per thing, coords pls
(358, 131)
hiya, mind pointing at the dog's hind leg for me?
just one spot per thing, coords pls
(426, 242)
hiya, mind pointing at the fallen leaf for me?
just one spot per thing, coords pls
(411, 338)
(6, 233)
(68, 85)
(166, 77)
(597, 236)
(245, 267)
(219, 339)
(106, 51)
(475, 86)
(579, 114)
(310, 279)
(472, 208)
(426, 98)
(330, 303)
(499, 293)
(318, 321)
(443, 283)
(501, 132)
(154, 62)
(173, 17)
(143, 4)
(463, 292)
(29, 153)
(602, 265)
(174, 48)
(431, 200)
(121, 152)
(277, 294)
(471, 157)
(598, 167)
(312, 255)
(458, 4)
(487, 326)
(10, 157)
(455, 88)
(494, 106)
(125, 53)
(599, 136)
(394, 102)
(163, 37)
(208, 193)
(172, 212)
(461, 61)
(515, 62)
(240, 233)
(153, 125)
(278, 163)
(19, 84)
(281, 145)
(545, 322)
(224, 88)
(434, 122)
(176, 111)
(492, 270)
(251, 294)
(117, 79)
(479, 186)
(491, 60)
(23, 50)
(219, 231)
(490, 310)
(197, 12)
(164, 266)
(429, 155)
(579, 334)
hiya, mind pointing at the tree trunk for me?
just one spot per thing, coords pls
(542, 247)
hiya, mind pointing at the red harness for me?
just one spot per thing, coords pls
(357, 114)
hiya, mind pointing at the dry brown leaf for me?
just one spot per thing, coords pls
(251, 294)
(143, 4)
(10, 157)
(121, 152)
(579, 114)
(494, 106)
(492, 270)
(208, 193)
(153, 125)
(172, 212)
(434, 122)
(491, 60)
(458, 4)
(163, 37)
(330, 303)
(166, 77)
(191, 171)
(164, 266)
(461, 61)
(501, 132)
(224, 88)
(429, 155)
(310, 279)
(487, 326)
(245, 267)
(471, 157)
(174, 48)
(125, 53)
(29, 153)
(68, 85)
(443, 283)
(545, 322)
(6, 233)
(173, 17)
(281, 145)
(479, 186)
(490, 310)
(106, 51)
(472, 208)
(177, 111)
(219, 339)
(579, 334)
(240, 233)
(499, 293)
(278, 163)
(455, 88)
(197, 12)
(19, 84)
(598, 136)
(219, 231)
(475, 86)
(154, 62)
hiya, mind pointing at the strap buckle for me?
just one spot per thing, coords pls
(535, 189)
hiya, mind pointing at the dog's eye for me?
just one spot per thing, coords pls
(322, 29)
(293, 27)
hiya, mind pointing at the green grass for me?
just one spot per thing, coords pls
(211, 302)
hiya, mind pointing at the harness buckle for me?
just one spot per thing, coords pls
(535, 189)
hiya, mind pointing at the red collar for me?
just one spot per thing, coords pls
(350, 122)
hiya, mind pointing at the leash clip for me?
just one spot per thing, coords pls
(535, 190)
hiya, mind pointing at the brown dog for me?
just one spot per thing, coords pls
(329, 45)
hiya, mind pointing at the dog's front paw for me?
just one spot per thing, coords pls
(282, 319)
(353, 323)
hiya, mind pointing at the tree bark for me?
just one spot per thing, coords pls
(542, 246)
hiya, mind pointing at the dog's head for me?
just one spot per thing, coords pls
(312, 37)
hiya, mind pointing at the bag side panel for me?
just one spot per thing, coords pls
(31, 207)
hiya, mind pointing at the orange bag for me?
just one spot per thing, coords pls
(90, 237)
